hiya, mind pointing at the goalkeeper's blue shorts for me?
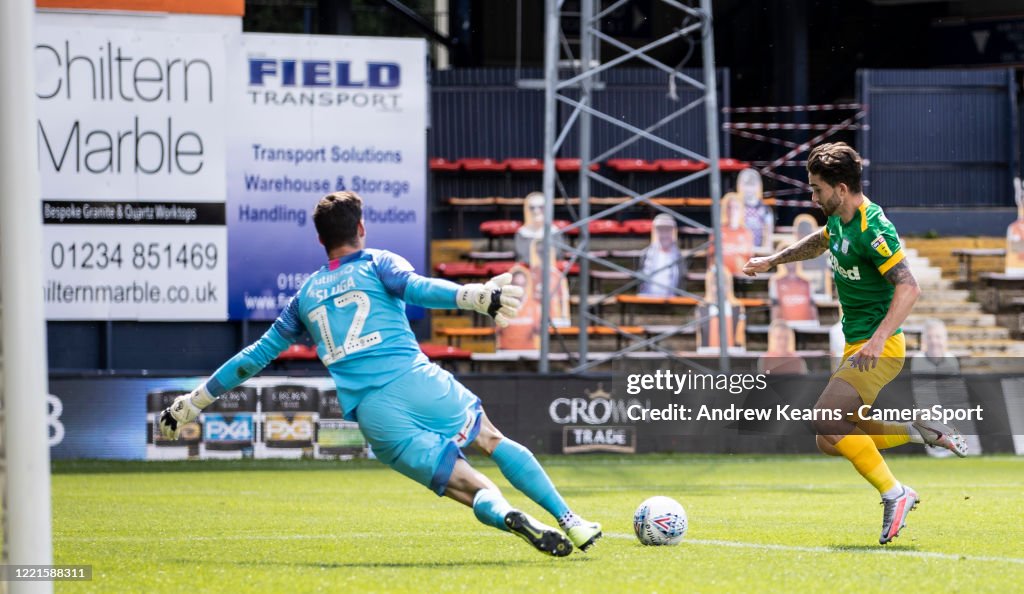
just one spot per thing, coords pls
(418, 424)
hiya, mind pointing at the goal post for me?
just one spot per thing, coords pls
(26, 456)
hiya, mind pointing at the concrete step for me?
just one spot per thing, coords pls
(955, 318)
(951, 262)
(976, 344)
(949, 295)
(923, 307)
(935, 284)
(946, 254)
(924, 275)
(922, 266)
(947, 244)
(975, 332)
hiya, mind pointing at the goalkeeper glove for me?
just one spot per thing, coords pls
(496, 298)
(182, 411)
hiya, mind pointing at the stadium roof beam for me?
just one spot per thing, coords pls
(583, 81)
(421, 23)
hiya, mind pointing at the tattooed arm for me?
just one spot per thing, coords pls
(903, 299)
(905, 295)
(811, 246)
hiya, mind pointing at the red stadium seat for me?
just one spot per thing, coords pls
(679, 165)
(525, 164)
(298, 352)
(500, 227)
(474, 164)
(732, 165)
(441, 352)
(442, 164)
(460, 270)
(630, 165)
(606, 227)
(499, 267)
(572, 164)
(562, 224)
(563, 266)
(638, 226)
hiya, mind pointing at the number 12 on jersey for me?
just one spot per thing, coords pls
(353, 341)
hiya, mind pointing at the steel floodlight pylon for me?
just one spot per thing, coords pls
(583, 81)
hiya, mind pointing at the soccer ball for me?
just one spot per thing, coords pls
(660, 521)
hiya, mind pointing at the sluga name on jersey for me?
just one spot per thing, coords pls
(849, 274)
(345, 283)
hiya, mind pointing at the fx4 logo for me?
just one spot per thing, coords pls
(217, 428)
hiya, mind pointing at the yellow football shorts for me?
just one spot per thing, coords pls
(868, 383)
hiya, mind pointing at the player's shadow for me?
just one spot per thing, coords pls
(447, 564)
(877, 549)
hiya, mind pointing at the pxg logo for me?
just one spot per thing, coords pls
(281, 429)
(324, 74)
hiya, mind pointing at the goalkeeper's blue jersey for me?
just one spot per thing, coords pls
(354, 309)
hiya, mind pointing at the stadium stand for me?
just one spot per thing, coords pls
(985, 326)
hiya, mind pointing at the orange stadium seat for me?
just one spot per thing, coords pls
(456, 334)
(655, 300)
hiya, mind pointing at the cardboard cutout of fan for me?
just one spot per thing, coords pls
(758, 216)
(662, 261)
(817, 270)
(737, 240)
(735, 318)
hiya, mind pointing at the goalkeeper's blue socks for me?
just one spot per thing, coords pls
(491, 508)
(521, 468)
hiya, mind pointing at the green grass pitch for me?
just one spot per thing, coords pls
(771, 523)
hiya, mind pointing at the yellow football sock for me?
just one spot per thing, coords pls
(885, 435)
(861, 451)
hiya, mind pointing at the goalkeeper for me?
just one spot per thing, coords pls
(414, 414)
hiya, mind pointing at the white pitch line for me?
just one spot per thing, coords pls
(834, 550)
(689, 541)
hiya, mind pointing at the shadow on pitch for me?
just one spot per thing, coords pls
(879, 549)
(439, 564)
